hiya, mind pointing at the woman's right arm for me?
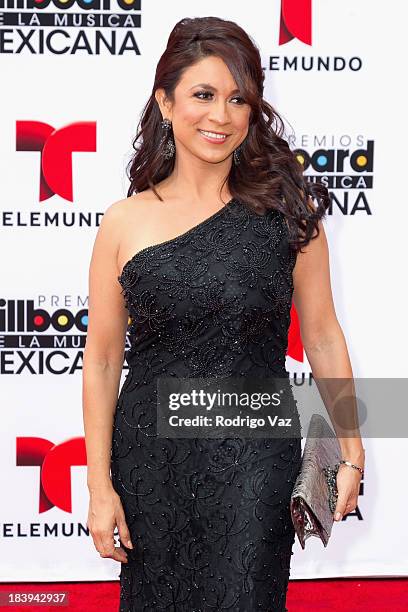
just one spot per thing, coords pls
(102, 368)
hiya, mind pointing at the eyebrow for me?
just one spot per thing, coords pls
(208, 86)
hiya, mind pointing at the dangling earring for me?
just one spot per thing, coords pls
(167, 143)
(237, 155)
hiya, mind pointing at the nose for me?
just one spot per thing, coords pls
(219, 112)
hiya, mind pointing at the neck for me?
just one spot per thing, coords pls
(200, 179)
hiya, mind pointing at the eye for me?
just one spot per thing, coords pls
(242, 101)
(197, 94)
(202, 93)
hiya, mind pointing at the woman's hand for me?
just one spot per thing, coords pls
(106, 512)
(348, 487)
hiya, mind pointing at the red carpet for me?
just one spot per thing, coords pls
(346, 595)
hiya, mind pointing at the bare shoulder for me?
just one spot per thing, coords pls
(125, 213)
(127, 209)
(133, 221)
(119, 211)
(113, 217)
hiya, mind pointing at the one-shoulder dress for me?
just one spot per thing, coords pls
(209, 518)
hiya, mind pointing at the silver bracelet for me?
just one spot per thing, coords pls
(361, 470)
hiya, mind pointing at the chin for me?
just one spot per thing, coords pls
(215, 157)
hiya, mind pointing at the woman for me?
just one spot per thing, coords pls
(206, 249)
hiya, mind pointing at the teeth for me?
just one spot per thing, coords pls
(212, 135)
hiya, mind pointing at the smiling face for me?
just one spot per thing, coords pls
(210, 118)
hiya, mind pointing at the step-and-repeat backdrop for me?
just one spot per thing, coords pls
(75, 76)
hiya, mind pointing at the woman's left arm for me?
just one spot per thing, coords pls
(327, 353)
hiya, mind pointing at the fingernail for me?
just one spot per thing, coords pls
(129, 544)
(338, 516)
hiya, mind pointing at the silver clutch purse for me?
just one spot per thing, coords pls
(314, 496)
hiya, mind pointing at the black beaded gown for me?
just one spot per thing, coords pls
(209, 518)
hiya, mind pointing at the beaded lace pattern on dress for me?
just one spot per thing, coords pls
(209, 518)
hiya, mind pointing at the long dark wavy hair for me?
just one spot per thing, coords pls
(268, 175)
